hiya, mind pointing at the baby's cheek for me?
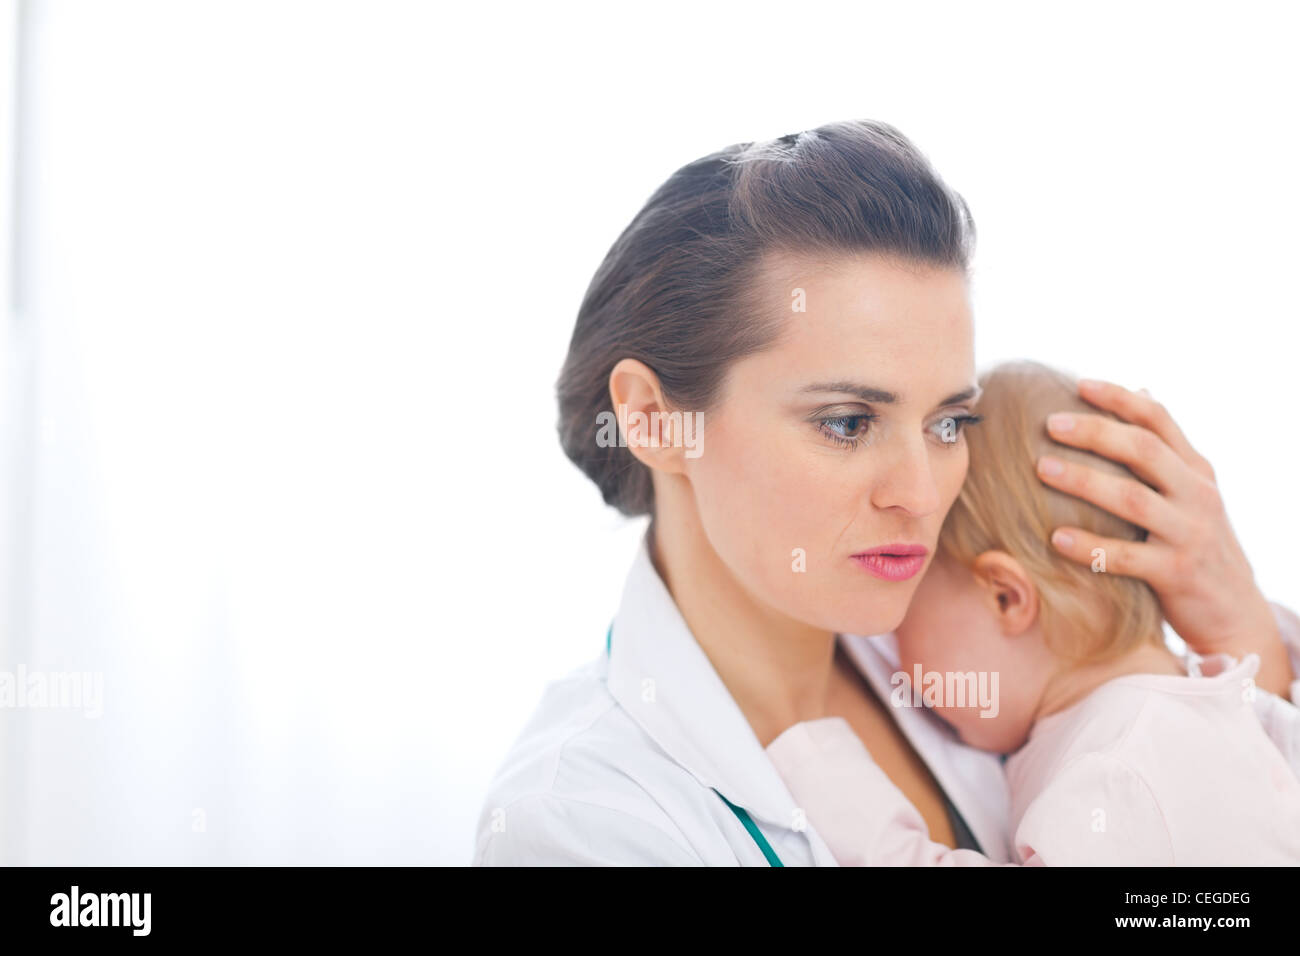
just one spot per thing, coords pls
(924, 646)
(988, 722)
(907, 652)
(974, 731)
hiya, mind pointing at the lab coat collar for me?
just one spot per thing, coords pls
(661, 676)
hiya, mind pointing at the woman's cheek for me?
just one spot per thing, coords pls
(953, 468)
(774, 514)
(755, 505)
(794, 511)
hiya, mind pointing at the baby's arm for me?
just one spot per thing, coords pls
(853, 805)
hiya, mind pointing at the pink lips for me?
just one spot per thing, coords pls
(893, 562)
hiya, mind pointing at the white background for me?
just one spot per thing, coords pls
(288, 286)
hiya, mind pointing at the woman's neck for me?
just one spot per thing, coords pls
(777, 669)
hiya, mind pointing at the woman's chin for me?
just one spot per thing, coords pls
(846, 611)
(875, 620)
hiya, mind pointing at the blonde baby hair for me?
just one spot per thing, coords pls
(1087, 615)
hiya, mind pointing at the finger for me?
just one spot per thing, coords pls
(1141, 410)
(1135, 559)
(1143, 451)
(1125, 497)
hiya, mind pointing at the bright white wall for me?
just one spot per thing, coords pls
(297, 279)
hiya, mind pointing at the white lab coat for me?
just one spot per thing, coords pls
(620, 762)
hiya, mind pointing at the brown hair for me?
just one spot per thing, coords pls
(676, 289)
(1003, 506)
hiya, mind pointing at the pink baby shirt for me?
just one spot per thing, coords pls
(1154, 770)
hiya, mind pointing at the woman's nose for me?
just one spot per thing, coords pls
(908, 481)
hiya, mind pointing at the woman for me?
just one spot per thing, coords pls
(783, 336)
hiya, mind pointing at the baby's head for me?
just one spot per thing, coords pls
(998, 598)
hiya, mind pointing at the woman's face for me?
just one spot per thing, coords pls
(842, 439)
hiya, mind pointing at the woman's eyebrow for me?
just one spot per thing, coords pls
(963, 396)
(864, 392)
(869, 394)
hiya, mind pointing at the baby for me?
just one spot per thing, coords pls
(1120, 752)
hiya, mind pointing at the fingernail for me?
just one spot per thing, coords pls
(1060, 422)
(1089, 384)
(1062, 539)
(1051, 466)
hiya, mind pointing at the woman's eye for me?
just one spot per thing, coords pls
(847, 430)
(949, 428)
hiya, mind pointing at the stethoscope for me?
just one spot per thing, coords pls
(745, 819)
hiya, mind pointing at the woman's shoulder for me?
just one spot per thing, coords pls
(584, 784)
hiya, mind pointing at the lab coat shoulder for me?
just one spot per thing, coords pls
(584, 785)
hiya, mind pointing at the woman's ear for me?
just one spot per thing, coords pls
(645, 425)
(1009, 591)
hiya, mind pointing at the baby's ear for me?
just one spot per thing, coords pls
(1009, 591)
